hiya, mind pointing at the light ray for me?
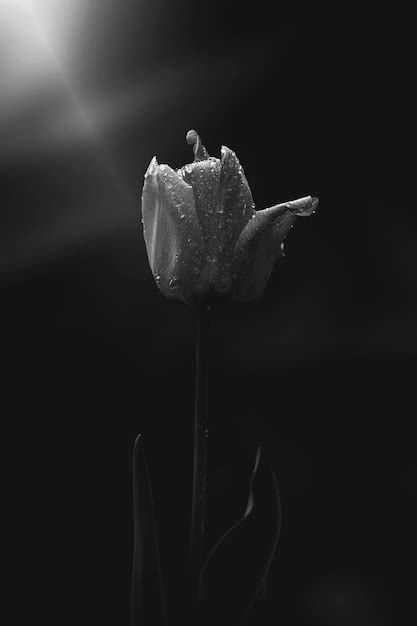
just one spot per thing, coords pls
(33, 48)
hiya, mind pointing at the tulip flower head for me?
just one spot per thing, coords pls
(203, 236)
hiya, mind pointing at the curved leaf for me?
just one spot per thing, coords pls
(148, 604)
(236, 568)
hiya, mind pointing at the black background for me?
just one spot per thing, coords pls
(321, 372)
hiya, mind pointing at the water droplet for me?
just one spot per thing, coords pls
(203, 430)
(182, 216)
(189, 240)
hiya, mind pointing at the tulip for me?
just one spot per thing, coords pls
(203, 236)
(205, 242)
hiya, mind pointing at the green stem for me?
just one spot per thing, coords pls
(200, 455)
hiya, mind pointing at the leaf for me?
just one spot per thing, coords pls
(236, 568)
(147, 600)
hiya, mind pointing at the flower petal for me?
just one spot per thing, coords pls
(224, 204)
(236, 200)
(171, 230)
(236, 195)
(204, 177)
(261, 242)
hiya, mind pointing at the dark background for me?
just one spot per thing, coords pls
(320, 373)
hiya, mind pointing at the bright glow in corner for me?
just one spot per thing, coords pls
(35, 38)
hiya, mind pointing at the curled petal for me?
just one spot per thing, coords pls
(171, 230)
(261, 242)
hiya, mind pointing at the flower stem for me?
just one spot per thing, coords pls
(200, 455)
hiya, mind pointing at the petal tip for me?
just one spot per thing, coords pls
(314, 204)
(303, 206)
(226, 152)
(153, 165)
